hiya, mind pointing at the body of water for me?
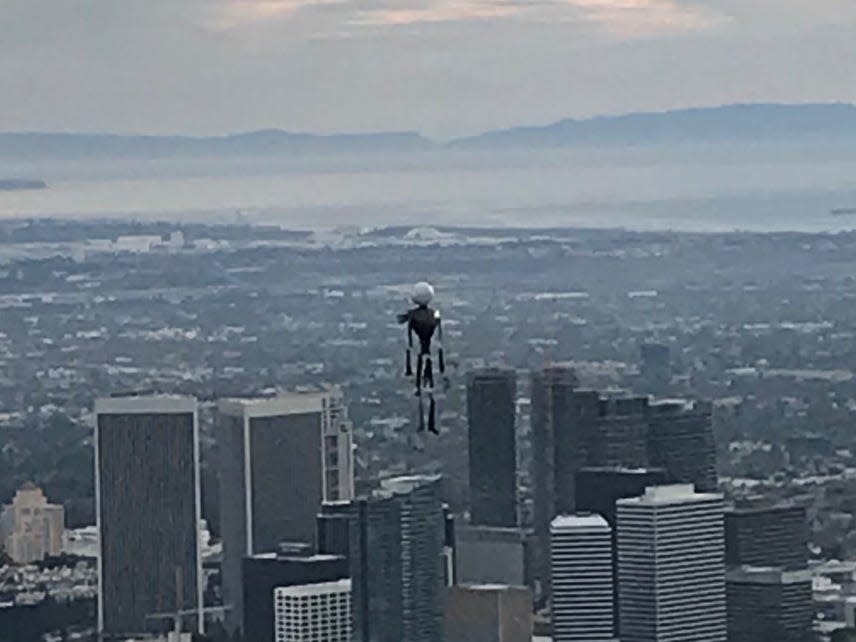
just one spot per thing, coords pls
(691, 188)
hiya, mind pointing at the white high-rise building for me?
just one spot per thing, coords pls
(581, 569)
(281, 458)
(313, 612)
(671, 566)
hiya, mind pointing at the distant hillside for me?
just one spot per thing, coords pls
(732, 123)
(259, 143)
(758, 122)
(14, 184)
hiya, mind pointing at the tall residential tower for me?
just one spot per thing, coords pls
(397, 564)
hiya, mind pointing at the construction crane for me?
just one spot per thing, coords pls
(177, 616)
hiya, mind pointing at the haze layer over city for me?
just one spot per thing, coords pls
(467, 321)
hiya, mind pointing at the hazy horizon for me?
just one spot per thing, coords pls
(423, 134)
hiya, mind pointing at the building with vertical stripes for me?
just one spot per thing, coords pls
(491, 409)
(581, 564)
(397, 562)
(680, 439)
(769, 604)
(148, 510)
(556, 444)
(313, 612)
(671, 566)
(774, 536)
(281, 458)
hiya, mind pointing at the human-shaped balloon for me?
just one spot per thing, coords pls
(424, 322)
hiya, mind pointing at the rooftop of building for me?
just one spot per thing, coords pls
(319, 588)
(579, 521)
(283, 403)
(146, 404)
(762, 508)
(768, 575)
(668, 495)
(622, 470)
(404, 484)
(303, 559)
(490, 587)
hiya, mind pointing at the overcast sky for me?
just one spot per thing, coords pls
(442, 67)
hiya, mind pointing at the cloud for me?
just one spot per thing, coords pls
(620, 18)
(233, 14)
(631, 18)
(438, 11)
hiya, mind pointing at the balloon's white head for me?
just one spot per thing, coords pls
(423, 293)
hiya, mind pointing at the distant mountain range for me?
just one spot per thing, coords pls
(731, 123)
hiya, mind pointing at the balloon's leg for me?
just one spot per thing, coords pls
(421, 417)
(432, 416)
(429, 373)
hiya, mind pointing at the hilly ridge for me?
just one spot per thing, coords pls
(827, 122)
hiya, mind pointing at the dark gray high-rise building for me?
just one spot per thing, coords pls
(291, 566)
(769, 604)
(148, 509)
(491, 403)
(680, 439)
(618, 434)
(597, 491)
(557, 447)
(281, 457)
(397, 562)
(774, 536)
(334, 528)
(656, 367)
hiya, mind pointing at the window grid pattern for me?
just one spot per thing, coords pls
(322, 614)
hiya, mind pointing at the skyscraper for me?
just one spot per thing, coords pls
(671, 569)
(314, 612)
(598, 489)
(281, 457)
(773, 536)
(618, 434)
(769, 604)
(147, 510)
(491, 404)
(581, 560)
(397, 565)
(680, 439)
(556, 445)
(656, 367)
